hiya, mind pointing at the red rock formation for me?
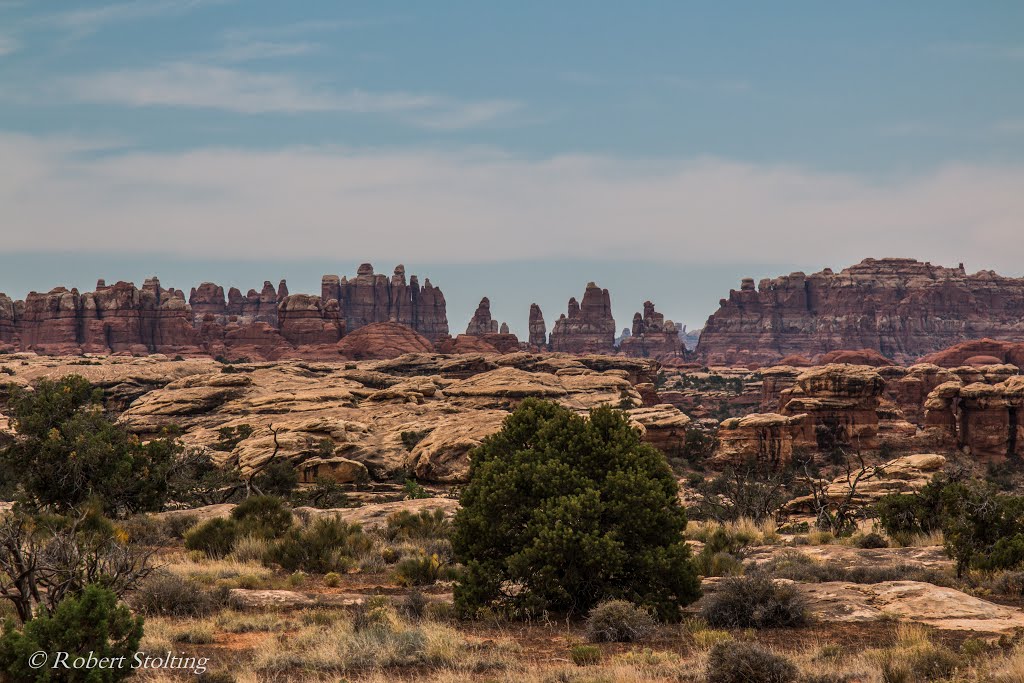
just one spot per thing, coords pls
(652, 336)
(306, 320)
(986, 420)
(901, 308)
(538, 330)
(841, 404)
(382, 341)
(978, 352)
(481, 323)
(373, 298)
(464, 343)
(269, 324)
(859, 357)
(588, 327)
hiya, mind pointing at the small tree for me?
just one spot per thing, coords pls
(562, 512)
(92, 624)
(68, 451)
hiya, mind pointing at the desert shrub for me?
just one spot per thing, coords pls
(414, 490)
(277, 479)
(70, 451)
(717, 564)
(194, 634)
(146, 530)
(327, 545)
(914, 513)
(214, 537)
(571, 511)
(741, 662)
(1008, 583)
(754, 601)
(92, 623)
(423, 525)
(262, 516)
(618, 621)
(585, 655)
(332, 579)
(981, 527)
(919, 664)
(871, 540)
(250, 549)
(415, 605)
(412, 438)
(420, 570)
(166, 595)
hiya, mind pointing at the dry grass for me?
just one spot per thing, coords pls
(745, 530)
(209, 571)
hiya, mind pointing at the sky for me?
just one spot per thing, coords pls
(511, 150)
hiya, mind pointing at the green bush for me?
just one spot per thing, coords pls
(278, 479)
(571, 511)
(327, 545)
(262, 516)
(585, 655)
(755, 601)
(69, 451)
(872, 540)
(741, 662)
(424, 525)
(422, 570)
(215, 537)
(618, 621)
(92, 623)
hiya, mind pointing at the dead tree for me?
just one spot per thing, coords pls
(837, 514)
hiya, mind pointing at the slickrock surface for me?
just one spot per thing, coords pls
(588, 327)
(906, 474)
(422, 412)
(900, 308)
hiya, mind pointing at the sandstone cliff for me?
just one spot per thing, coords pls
(901, 308)
(588, 327)
(652, 336)
(270, 323)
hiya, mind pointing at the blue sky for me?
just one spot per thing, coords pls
(698, 141)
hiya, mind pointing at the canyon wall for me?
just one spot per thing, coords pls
(901, 308)
(270, 323)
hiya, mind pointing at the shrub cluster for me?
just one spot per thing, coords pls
(742, 662)
(754, 601)
(618, 621)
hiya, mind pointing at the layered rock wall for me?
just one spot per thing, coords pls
(587, 327)
(270, 323)
(900, 308)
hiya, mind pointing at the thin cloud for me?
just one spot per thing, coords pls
(295, 203)
(998, 51)
(82, 22)
(202, 86)
(8, 45)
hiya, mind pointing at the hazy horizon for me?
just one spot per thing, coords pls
(662, 150)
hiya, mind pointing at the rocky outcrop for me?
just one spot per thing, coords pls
(907, 474)
(768, 438)
(588, 327)
(986, 420)
(346, 420)
(538, 330)
(652, 336)
(381, 341)
(901, 308)
(840, 403)
(978, 353)
(373, 298)
(270, 323)
(481, 323)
